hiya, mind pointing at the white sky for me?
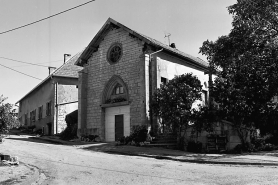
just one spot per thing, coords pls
(190, 23)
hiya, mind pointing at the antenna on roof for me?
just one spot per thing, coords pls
(168, 35)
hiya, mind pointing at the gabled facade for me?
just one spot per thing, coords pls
(122, 69)
(47, 104)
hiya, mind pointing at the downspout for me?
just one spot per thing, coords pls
(150, 89)
(56, 106)
(210, 84)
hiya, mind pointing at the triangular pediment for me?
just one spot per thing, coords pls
(112, 24)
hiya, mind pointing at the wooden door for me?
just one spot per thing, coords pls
(119, 126)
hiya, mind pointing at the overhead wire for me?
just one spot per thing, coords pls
(45, 18)
(35, 64)
(40, 63)
(20, 72)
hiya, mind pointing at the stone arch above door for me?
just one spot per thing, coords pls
(115, 92)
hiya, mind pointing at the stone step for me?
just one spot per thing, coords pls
(168, 138)
(161, 144)
(163, 141)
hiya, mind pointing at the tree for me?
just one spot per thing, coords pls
(8, 119)
(245, 63)
(172, 102)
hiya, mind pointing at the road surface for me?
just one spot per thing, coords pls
(60, 164)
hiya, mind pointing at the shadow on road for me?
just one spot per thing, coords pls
(34, 140)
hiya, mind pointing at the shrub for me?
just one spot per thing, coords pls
(39, 132)
(88, 138)
(258, 142)
(194, 146)
(71, 130)
(31, 127)
(264, 144)
(272, 139)
(123, 140)
(238, 149)
(267, 147)
(138, 135)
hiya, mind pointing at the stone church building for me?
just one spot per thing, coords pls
(121, 70)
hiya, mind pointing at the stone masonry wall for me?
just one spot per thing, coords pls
(66, 94)
(130, 68)
(82, 101)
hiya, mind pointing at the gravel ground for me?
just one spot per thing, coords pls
(17, 174)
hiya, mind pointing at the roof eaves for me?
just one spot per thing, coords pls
(50, 76)
(53, 74)
(94, 42)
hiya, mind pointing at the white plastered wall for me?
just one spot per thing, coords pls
(169, 70)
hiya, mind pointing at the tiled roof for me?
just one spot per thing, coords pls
(175, 51)
(69, 69)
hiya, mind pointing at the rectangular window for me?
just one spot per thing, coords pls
(119, 90)
(31, 117)
(26, 119)
(40, 112)
(48, 108)
(163, 80)
(34, 115)
(205, 97)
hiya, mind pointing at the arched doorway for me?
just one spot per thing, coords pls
(115, 101)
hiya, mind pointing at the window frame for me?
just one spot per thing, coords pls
(111, 49)
(48, 108)
(40, 112)
(205, 97)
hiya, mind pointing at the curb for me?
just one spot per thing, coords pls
(48, 140)
(160, 157)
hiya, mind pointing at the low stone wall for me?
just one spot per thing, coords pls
(223, 129)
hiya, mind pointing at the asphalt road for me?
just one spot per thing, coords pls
(60, 164)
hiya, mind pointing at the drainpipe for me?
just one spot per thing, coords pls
(210, 84)
(150, 89)
(56, 105)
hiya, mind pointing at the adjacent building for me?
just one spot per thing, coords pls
(46, 105)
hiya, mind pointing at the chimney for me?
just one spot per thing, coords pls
(65, 57)
(173, 45)
(51, 69)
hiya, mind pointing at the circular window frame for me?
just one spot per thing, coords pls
(111, 49)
